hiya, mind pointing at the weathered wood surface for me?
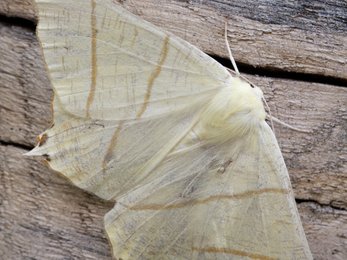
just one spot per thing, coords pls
(42, 216)
(25, 9)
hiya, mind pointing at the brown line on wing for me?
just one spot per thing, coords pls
(233, 252)
(94, 59)
(154, 75)
(134, 37)
(215, 197)
(42, 139)
(109, 155)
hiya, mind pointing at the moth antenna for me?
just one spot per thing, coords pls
(228, 47)
(243, 77)
(270, 116)
(289, 126)
(238, 73)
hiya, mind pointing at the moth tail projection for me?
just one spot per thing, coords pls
(36, 151)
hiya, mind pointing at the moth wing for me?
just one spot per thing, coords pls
(125, 92)
(212, 202)
(107, 64)
(108, 157)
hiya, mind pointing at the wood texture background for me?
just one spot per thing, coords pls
(294, 50)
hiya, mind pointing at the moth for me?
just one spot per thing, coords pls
(144, 119)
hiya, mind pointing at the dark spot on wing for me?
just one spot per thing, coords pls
(47, 158)
(43, 140)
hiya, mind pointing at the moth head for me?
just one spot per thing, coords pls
(236, 111)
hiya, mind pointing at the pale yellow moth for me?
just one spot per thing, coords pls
(146, 120)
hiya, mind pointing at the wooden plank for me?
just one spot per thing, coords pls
(325, 230)
(44, 217)
(25, 92)
(25, 9)
(279, 35)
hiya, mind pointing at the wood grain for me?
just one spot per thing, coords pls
(42, 216)
(305, 37)
(25, 9)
